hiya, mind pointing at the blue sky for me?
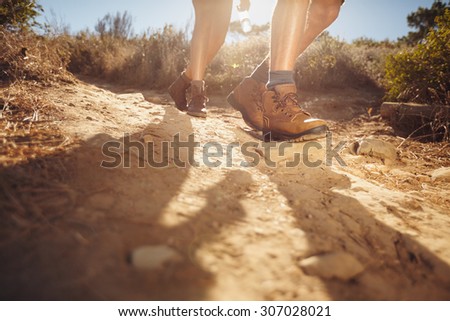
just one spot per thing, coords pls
(377, 19)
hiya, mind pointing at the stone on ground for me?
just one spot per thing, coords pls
(339, 265)
(153, 256)
(375, 148)
(441, 174)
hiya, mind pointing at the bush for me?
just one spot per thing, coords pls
(152, 60)
(92, 55)
(19, 14)
(235, 61)
(116, 26)
(331, 63)
(155, 59)
(422, 74)
(26, 56)
(422, 20)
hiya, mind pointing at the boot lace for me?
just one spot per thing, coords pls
(288, 104)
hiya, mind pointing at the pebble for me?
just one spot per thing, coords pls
(154, 256)
(154, 100)
(339, 265)
(374, 148)
(441, 174)
(147, 138)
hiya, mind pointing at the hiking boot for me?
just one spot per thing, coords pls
(247, 99)
(283, 118)
(197, 104)
(178, 91)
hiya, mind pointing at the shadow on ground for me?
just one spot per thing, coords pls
(70, 225)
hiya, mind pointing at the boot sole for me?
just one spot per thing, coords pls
(196, 114)
(311, 134)
(238, 107)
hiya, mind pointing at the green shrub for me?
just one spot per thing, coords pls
(235, 61)
(422, 74)
(331, 63)
(422, 20)
(19, 14)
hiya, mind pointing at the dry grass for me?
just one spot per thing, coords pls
(32, 147)
(28, 125)
(32, 153)
(27, 56)
(331, 63)
(155, 60)
(27, 119)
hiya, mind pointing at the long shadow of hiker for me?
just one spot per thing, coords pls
(397, 267)
(74, 241)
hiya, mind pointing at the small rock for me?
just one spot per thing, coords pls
(153, 257)
(441, 174)
(154, 100)
(401, 173)
(338, 265)
(374, 148)
(147, 138)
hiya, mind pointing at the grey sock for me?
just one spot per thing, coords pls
(261, 73)
(280, 77)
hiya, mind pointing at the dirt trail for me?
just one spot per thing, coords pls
(240, 232)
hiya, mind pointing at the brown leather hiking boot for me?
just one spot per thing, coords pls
(197, 104)
(247, 99)
(283, 119)
(178, 91)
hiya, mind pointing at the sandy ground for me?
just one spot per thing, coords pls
(243, 229)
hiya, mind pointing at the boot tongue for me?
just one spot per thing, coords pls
(285, 89)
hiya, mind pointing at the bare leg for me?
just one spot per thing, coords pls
(321, 14)
(211, 25)
(295, 24)
(288, 27)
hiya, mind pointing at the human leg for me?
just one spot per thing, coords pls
(288, 26)
(211, 25)
(321, 14)
(247, 96)
(282, 116)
